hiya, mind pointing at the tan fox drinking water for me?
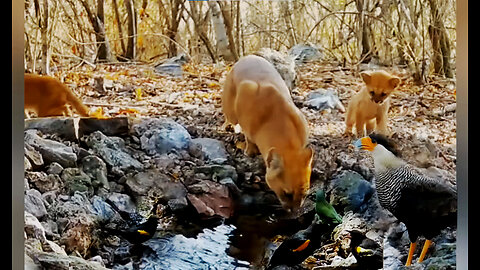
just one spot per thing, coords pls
(256, 97)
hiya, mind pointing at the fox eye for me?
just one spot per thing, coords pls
(383, 94)
(372, 93)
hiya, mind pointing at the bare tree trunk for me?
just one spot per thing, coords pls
(45, 67)
(177, 10)
(225, 8)
(220, 32)
(99, 29)
(102, 47)
(287, 18)
(199, 23)
(131, 30)
(237, 32)
(440, 41)
(119, 26)
(364, 34)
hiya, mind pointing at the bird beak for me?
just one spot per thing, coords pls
(302, 246)
(364, 251)
(142, 232)
(365, 143)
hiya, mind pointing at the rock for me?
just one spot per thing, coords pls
(213, 150)
(161, 136)
(227, 181)
(350, 221)
(172, 66)
(303, 53)
(43, 182)
(395, 247)
(323, 99)
(283, 63)
(96, 169)
(76, 180)
(33, 228)
(443, 256)
(344, 262)
(64, 207)
(51, 246)
(33, 156)
(165, 161)
(195, 150)
(211, 199)
(64, 127)
(349, 191)
(154, 184)
(26, 164)
(51, 228)
(141, 183)
(57, 261)
(113, 152)
(122, 201)
(51, 151)
(34, 203)
(117, 126)
(177, 205)
(102, 210)
(218, 172)
(29, 264)
(79, 234)
(54, 168)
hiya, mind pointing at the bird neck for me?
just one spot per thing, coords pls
(384, 159)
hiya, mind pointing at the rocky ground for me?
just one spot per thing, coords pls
(161, 149)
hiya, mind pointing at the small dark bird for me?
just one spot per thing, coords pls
(135, 230)
(296, 248)
(324, 210)
(368, 253)
(132, 218)
(425, 205)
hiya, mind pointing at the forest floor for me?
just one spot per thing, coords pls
(425, 113)
(422, 118)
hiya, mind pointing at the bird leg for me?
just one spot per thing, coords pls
(410, 253)
(424, 250)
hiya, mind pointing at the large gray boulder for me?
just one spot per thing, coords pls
(51, 151)
(161, 136)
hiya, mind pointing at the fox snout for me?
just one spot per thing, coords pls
(290, 202)
(378, 98)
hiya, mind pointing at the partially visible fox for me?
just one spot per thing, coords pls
(256, 97)
(47, 96)
(368, 109)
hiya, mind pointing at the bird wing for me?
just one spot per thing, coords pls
(327, 210)
(426, 204)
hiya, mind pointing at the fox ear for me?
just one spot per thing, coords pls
(274, 160)
(366, 76)
(394, 82)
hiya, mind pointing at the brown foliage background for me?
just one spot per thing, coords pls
(418, 34)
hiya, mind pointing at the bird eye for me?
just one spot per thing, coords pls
(373, 140)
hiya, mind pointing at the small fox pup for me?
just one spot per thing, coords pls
(368, 109)
(47, 96)
(256, 97)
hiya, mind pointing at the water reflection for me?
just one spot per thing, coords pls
(208, 250)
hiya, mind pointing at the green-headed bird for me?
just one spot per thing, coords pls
(324, 210)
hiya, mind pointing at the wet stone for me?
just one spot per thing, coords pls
(51, 151)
